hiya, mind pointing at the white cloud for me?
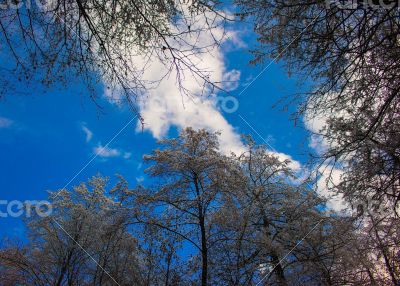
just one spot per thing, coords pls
(293, 164)
(169, 108)
(316, 125)
(231, 80)
(106, 152)
(88, 132)
(165, 106)
(5, 122)
(127, 155)
(329, 178)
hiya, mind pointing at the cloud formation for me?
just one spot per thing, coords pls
(166, 106)
(106, 152)
(177, 102)
(87, 131)
(184, 100)
(328, 176)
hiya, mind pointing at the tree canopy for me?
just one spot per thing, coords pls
(113, 42)
(207, 219)
(352, 55)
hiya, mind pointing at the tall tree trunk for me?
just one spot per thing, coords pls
(169, 258)
(204, 252)
(280, 275)
(202, 223)
(371, 278)
(64, 268)
(383, 250)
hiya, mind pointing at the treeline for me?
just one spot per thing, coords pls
(207, 219)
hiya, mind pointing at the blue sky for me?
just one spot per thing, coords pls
(47, 137)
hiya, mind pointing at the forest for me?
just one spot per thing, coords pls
(201, 215)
